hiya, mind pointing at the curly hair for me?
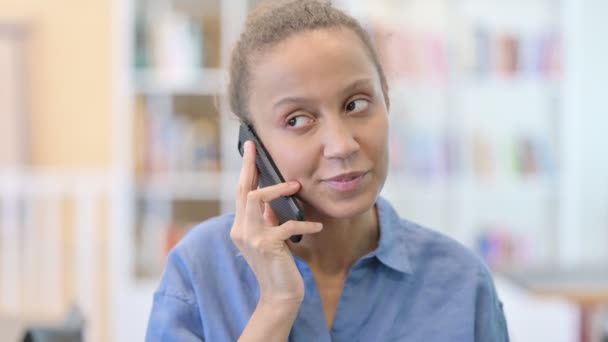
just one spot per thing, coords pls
(274, 21)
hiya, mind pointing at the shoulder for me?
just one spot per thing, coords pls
(443, 258)
(438, 257)
(203, 247)
(427, 245)
(176, 305)
(214, 232)
(421, 250)
(458, 273)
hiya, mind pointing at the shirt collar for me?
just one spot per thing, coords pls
(392, 249)
(392, 246)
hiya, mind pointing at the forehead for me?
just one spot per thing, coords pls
(310, 59)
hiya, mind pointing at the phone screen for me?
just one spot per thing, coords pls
(285, 208)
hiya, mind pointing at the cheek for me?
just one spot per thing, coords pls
(377, 150)
(295, 163)
(376, 137)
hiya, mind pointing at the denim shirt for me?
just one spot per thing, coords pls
(418, 285)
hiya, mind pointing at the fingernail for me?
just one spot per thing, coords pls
(247, 146)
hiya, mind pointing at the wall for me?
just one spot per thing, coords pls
(70, 129)
(584, 217)
(593, 114)
(70, 80)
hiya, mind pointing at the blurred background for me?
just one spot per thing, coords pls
(116, 138)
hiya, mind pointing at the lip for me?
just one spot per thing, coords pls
(346, 182)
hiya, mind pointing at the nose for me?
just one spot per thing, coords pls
(339, 140)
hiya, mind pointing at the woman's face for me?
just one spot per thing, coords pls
(316, 102)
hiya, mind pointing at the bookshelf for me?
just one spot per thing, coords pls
(177, 82)
(474, 118)
(477, 142)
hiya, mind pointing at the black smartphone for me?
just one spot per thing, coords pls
(286, 208)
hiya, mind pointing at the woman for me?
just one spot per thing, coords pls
(307, 78)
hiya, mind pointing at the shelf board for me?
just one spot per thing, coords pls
(221, 186)
(469, 90)
(517, 85)
(183, 186)
(510, 191)
(204, 81)
(191, 186)
(408, 188)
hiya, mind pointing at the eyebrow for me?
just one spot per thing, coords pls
(296, 99)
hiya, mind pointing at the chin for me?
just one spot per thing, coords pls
(341, 207)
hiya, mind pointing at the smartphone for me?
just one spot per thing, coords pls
(286, 208)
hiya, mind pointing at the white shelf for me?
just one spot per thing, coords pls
(216, 186)
(504, 109)
(514, 191)
(204, 81)
(506, 83)
(409, 188)
(505, 87)
(183, 186)
(191, 186)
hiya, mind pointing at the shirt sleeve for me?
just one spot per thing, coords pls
(490, 322)
(175, 315)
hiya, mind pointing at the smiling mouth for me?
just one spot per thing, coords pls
(346, 182)
(346, 177)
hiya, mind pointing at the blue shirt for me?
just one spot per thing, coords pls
(418, 285)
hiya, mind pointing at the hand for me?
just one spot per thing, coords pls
(261, 241)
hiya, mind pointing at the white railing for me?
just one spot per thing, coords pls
(54, 229)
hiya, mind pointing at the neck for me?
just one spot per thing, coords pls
(340, 244)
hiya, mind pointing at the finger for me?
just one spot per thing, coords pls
(269, 216)
(273, 192)
(255, 199)
(247, 177)
(290, 228)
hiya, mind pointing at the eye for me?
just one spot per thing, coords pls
(298, 121)
(357, 105)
